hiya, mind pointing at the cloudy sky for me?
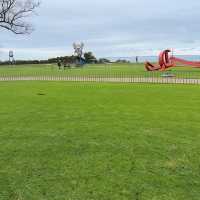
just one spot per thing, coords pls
(109, 28)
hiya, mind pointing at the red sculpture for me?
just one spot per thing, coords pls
(166, 61)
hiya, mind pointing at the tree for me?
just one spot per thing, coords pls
(103, 60)
(13, 14)
(122, 61)
(89, 57)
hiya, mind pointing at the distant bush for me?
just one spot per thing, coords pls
(90, 58)
(103, 60)
(122, 61)
(24, 62)
(67, 59)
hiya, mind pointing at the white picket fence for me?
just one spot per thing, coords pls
(98, 78)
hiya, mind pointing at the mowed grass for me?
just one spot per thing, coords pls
(111, 70)
(70, 141)
(52, 69)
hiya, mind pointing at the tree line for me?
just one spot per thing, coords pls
(88, 56)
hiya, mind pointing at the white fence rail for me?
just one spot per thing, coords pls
(101, 78)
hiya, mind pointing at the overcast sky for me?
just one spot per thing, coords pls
(108, 28)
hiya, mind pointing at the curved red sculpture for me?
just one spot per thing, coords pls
(166, 61)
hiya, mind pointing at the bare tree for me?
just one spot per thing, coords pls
(13, 14)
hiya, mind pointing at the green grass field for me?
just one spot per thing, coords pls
(114, 69)
(52, 69)
(79, 141)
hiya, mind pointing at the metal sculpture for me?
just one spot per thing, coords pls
(78, 52)
(167, 61)
(11, 57)
(78, 49)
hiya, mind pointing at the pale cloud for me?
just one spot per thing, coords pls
(109, 28)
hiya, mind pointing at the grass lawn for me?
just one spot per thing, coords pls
(116, 70)
(52, 69)
(73, 141)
